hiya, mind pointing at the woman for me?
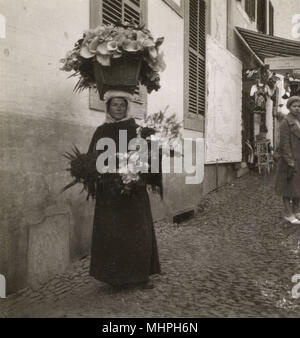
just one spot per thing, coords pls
(124, 250)
(288, 171)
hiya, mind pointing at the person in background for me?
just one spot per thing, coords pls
(287, 183)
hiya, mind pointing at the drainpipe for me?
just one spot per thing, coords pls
(228, 15)
(217, 174)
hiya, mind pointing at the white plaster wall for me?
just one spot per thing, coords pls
(163, 21)
(178, 2)
(218, 25)
(283, 13)
(224, 117)
(38, 34)
(40, 119)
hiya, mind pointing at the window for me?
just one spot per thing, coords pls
(250, 9)
(262, 16)
(271, 19)
(195, 65)
(176, 5)
(109, 11)
(247, 9)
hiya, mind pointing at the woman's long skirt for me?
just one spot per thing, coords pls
(283, 186)
(124, 247)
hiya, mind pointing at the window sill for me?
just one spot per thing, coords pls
(195, 123)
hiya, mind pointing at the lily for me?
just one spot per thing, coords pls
(86, 53)
(104, 60)
(131, 46)
(158, 64)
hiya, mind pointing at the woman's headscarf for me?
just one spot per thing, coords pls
(119, 94)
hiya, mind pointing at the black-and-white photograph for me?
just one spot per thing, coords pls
(149, 160)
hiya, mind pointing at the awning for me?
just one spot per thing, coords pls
(266, 46)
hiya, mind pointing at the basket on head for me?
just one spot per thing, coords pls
(122, 74)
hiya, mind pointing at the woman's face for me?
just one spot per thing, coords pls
(295, 108)
(118, 108)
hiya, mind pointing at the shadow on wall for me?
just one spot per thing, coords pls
(42, 230)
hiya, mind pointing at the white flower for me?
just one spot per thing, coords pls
(102, 49)
(123, 170)
(104, 60)
(138, 131)
(123, 156)
(134, 156)
(132, 167)
(86, 53)
(131, 45)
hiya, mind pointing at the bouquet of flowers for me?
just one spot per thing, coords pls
(165, 132)
(166, 129)
(134, 170)
(107, 42)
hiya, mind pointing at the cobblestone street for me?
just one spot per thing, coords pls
(236, 258)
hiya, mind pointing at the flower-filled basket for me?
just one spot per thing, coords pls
(116, 56)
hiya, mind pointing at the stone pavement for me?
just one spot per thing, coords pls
(235, 258)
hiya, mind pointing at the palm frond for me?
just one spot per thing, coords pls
(76, 150)
(69, 156)
(74, 74)
(70, 185)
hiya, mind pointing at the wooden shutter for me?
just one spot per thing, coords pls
(250, 8)
(196, 65)
(271, 19)
(110, 11)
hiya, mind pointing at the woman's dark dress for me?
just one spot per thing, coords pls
(289, 151)
(124, 248)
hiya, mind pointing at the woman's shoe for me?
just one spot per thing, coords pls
(292, 220)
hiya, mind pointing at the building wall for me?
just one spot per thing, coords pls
(42, 230)
(179, 196)
(238, 17)
(286, 25)
(223, 126)
(163, 21)
(218, 21)
(284, 11)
